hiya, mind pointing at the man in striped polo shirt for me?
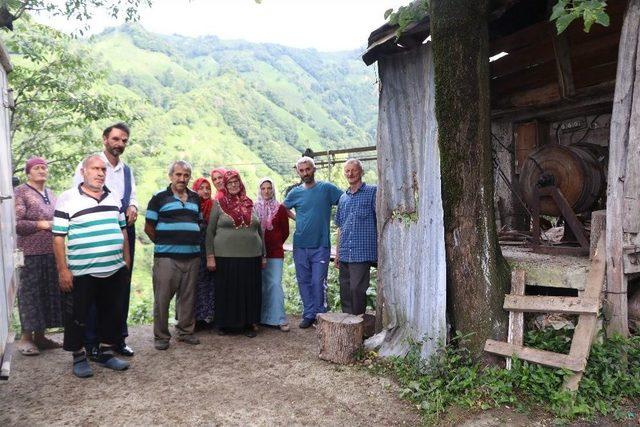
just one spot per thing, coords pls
(94, 264)
(173, 222)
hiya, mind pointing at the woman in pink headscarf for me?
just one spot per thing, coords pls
(217, 178)
(41, 304)
(204, 286)
(275, 228)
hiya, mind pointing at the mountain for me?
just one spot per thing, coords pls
(254, 107)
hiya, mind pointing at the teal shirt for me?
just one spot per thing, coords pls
(313, 212)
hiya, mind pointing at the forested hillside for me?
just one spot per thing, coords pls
(237, 103)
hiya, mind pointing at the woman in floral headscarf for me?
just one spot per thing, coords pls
(275, 228)
(204, 286)
(235, 251)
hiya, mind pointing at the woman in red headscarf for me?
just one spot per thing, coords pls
(235, 251)
(204, 286)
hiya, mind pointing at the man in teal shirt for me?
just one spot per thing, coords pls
(312, 201)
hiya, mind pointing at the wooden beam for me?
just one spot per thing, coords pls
(545, 304)
(623, 119)
(586, 327)
(563, 63)
(515, 334)
(542, 357)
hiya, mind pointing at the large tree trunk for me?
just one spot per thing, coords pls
(477, 274)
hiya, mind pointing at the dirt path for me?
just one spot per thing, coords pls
(274, 379)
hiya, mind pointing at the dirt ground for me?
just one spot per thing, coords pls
(273, 379)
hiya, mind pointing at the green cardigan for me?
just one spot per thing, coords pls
(225, 240)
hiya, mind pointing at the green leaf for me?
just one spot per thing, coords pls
(388, 13)
(602, 18)
(564, 21)
(558, 10)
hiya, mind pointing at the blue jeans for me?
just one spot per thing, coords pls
(312, 265)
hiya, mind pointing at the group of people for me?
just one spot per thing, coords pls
(221, 255)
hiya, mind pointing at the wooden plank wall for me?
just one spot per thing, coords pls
(537, 72)
(412, 269)
(623, 180)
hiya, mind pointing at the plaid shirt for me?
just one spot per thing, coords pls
(356, 218)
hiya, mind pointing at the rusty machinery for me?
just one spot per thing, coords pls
(562, 180)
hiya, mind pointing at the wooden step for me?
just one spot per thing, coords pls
(545, 304)
(534, 355)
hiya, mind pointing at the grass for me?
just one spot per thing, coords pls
(452, 378)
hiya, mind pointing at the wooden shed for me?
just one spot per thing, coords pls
(553, 97)
(8, 276)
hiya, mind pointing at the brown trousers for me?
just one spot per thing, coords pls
(174, 277)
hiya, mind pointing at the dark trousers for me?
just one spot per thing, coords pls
(354, 282)
(105, 295)
(91, 334)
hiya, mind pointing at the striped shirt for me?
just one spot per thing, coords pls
(177, 224)
(93, 228)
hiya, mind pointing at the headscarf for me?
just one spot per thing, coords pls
(266, 209)
(221, 171)
(205, 205)
(32, 162)
(239, 207)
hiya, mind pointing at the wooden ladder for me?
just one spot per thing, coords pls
(586, 306)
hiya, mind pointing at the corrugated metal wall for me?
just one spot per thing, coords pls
(412, 266)
(7, 212)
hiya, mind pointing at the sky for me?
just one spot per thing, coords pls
(326, 25)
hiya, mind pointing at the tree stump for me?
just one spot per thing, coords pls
(339, 336)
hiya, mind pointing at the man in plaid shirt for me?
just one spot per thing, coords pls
(357, 248)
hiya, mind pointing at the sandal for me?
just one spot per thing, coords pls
(285, 327)
(47, 344)
(28, 348)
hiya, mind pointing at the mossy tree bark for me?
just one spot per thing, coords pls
(477, 274)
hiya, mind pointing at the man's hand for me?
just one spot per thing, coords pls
(65, 279)
(211, 263)
(263, 265)
(44, 225)
(131, 214)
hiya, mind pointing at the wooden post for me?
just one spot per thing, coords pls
(339, 336)
(623, 127)
(598, 224)
(516, 319)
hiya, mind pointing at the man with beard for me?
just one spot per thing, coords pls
(93, 265)
(122, 185)
(312, 201)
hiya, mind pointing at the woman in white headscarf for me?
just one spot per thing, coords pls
(274, 221)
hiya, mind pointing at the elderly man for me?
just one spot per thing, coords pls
(123, 187)
(173, 223)
(93, 265)
(357, 248)
(312, 201)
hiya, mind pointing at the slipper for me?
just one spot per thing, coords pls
(28, 349)
(285, 327)
(47, 344)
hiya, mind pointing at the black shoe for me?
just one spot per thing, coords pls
(305, 323)
(124, 350)
(93, 353)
